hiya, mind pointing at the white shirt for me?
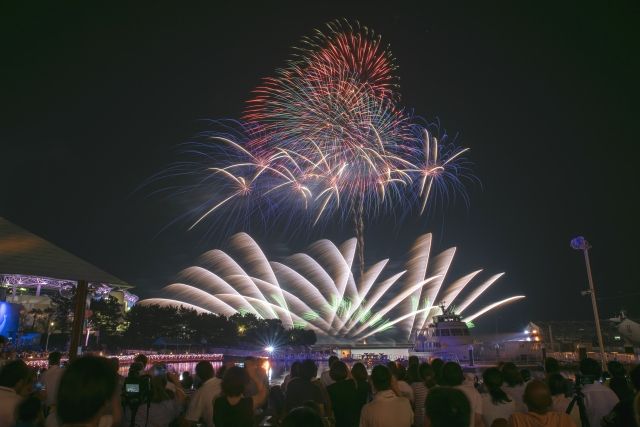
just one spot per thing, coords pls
(201, 405)
(51, 381)
(517, 394)
(161, 414)
(475, 399)
(561, 403)
(599, 400)
(9, 400)
(492, 411)
(405, 390)
(387, 410)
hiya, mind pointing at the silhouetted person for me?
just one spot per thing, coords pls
(496, 403)
(325, 376)
(618, 382)
(560, 402)
(514, 384)
(599, 400)
(232, 408)
(437, 364)
(627, 411)
(363, 388)
(447, 407)
(343, 394)
(301, 389)
(88, 394)
(293, 373)
(15, 384)
(50, 378)
(452, 376)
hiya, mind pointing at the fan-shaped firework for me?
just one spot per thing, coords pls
(319, 291)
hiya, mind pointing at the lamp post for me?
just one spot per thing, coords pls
(581, 244)
(46, 346)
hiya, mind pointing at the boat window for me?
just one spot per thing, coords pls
(444, 332)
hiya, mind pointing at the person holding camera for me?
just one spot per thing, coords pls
(165, 400)
(599, 399)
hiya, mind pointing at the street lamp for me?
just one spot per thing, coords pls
(46, 346)
(581, 244)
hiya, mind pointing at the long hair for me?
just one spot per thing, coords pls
(492, 378)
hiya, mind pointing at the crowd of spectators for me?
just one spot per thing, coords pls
(89, 392)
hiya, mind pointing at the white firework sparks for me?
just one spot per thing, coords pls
(318, 290)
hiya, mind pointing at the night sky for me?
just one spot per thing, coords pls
(97, 100)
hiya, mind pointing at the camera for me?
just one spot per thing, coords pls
(136, 391)
(585, 379)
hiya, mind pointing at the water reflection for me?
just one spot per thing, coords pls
(276, 370)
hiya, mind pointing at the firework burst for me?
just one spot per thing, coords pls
(325, 139)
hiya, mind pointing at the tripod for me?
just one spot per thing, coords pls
(578, 397)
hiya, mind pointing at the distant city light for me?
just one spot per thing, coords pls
(269, 349)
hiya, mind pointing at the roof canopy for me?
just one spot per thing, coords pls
(22, 252)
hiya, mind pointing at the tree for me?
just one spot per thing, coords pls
(106, 317)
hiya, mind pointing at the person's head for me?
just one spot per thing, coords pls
(87, 391)
(141, 359)
(437, 364)
(616, 369)
(557, 384)
(492, 378)
(448, 407)
(511, 374)
(359, 372)
(413, 360)
(452, 374)
(381, 378)
(234, 381)
(54, 358)
(332, 360)
(16, 375)
(308, 370)
(295, 369)
(591, 368)
(427, 374)
(187, 380)
(302, 416)
(135, 369)
(537, 397)
(29, 411)
(204, 370)
(413, 374)
(401, 373)
(551, 365)
(339, 371)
